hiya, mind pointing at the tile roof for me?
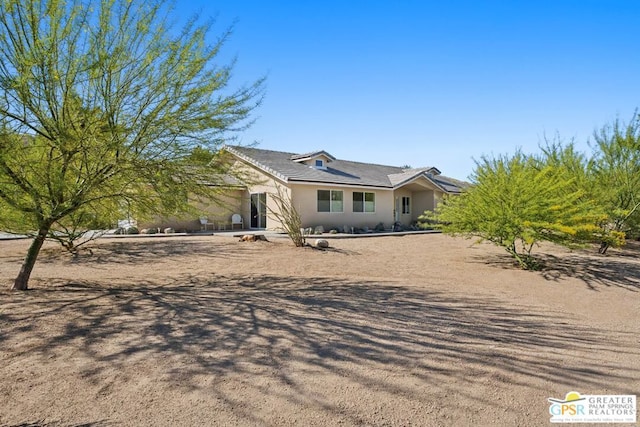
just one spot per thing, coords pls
(345, 172)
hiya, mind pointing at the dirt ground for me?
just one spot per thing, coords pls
(423, 330)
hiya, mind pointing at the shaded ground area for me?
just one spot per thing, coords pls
(418, 330)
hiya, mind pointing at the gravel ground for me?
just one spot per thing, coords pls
(423, 330)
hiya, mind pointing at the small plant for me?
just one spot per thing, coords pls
(288, 217)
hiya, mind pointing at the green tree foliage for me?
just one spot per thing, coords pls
(101, 102)
(518, 201)
(615, 172)
(570, 163)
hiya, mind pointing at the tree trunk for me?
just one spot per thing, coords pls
(22, 281)
(603, 248)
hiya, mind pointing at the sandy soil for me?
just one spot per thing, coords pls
(422, 330)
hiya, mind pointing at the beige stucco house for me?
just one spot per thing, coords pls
(326, 191)
(335, 193)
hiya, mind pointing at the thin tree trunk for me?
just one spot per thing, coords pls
(22, 281)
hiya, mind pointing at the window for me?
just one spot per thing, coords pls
(364, 202)
(319, 164)
(406, 205)
(329, 201)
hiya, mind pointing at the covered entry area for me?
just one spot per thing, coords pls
(413, 198)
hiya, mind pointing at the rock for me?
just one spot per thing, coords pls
(253, 238)
(321, 243)
(319, 230)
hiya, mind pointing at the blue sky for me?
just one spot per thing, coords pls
(431, 83)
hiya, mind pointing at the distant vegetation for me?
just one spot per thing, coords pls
(558, 195)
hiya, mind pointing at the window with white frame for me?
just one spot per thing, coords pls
(406, 205)
(364, 201)
(330, 201)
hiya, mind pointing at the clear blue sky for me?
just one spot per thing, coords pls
(432, 83)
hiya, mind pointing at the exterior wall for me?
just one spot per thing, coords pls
(422, 201)
(218, 214)
(260, 183)
(305, 200)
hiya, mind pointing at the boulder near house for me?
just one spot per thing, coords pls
(326, 191)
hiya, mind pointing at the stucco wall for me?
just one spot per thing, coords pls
(218, 213)
(260, 183)
(305, 200)
(424, 201)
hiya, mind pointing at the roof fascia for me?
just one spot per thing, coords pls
(338, 185)
(417, 177)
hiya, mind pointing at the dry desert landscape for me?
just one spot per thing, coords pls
(424, 330)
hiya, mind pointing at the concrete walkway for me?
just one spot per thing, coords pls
(9, 236)
(240, 233)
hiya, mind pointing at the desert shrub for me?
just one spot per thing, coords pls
(518, 201)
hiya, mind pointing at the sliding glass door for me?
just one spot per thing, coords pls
(259, 210)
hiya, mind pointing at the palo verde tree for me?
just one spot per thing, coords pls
(518, 201)
(101, 103)
(615, 173)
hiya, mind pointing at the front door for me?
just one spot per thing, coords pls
(259, 210)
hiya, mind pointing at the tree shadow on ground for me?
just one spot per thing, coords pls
(619, 269)
(594, 271)
(332, 249)
(152, 251)
(283, 328)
